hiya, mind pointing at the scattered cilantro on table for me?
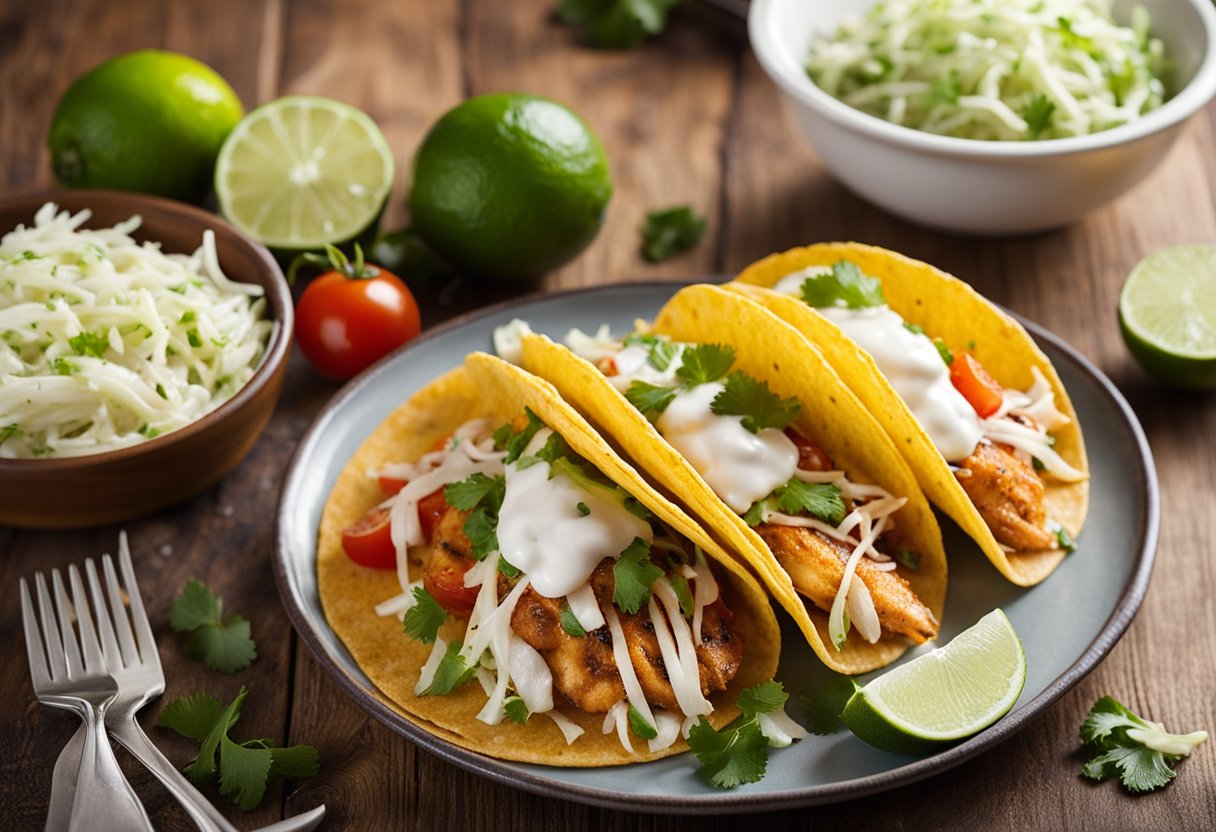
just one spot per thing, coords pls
(670, 231)
(245, 767)
(223, 645)
(1136, 749)
(616, 24)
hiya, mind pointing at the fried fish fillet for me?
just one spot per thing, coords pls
(1008, 493)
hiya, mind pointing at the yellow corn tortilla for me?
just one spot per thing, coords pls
(491, 388)
(950, 310)
(777, 354)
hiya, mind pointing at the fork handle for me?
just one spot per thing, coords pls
(205, 816)
(105, 801)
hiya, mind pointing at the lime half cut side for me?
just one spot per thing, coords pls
(1167, 312)
(301, 172)
(945, 695)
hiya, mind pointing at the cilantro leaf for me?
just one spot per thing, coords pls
(760, 407)
(226, 646)
(63, 367)
(662, 353)
(634, 506)
(468, 493)
(555, 448)
(639, 725)
(451, 673)
(505, 568)
(481, 529)
(845, 285)
(763, 698)
(670, 231)
(732, 756)
(755, 515)
(1037, 113)
(615, 24)
(86, 343)
(704, 363)
(818, 499)
(944, 351)
(244, 767)
(570, 623)
(945, 90)
(1137, 750)
(423, 620)
(649, 398)
(516, 710)
(633, 574)
(519, 439)
(1064, 540)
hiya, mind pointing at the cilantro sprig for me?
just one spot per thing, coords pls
(1136, 749)
(699, 364)
(738, 753)
(820, 500)
(633, 574)
(244, 768)
(423, 620)
(482, 496)
(223, 645)
(670, 231)
(750, 398)
(616, 24)
(451, 673)
(845, 285)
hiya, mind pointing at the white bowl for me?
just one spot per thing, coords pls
(983, 187)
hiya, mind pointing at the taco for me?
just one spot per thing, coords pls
(739, 418)
(557, 609)
(976, 408)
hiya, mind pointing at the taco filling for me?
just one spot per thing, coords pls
(826, 531)
(999, 443)
(573, 592)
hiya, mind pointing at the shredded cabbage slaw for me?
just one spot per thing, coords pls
(107, 342)
(1003, 70)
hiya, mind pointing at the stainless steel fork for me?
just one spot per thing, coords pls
(133, 661)
(74, 676)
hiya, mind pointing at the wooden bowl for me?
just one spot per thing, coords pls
(110, 486)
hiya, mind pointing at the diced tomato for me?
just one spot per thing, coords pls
(811, 457)
(368, 542)
(978, 388)
(444, 580)
(607, 365)
(430, 509)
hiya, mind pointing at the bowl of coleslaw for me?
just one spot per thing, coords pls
(143, 345)
(996, 117)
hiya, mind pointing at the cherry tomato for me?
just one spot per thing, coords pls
(977, 387)
(811, 457)
(391, 485)
(444, 580)
(368, 542)
(352, 316)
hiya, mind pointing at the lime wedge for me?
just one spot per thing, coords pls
(1167, 311)
(301, 172)
(945, 695)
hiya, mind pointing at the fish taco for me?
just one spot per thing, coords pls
(974, 405)
(556, 608)
(735, 414)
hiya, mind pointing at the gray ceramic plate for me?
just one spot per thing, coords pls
(1065, 632)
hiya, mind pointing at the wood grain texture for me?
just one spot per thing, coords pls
(688, 118)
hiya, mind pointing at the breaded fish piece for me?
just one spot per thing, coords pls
(1008, 493)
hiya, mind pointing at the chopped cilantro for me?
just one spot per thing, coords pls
(519, 440)
(245, 767)
(634, 506)
(1138, 750)
(583, 508)
(760, 407)
(482, 530)
(971, 343)
(516, 710)
(86, 343)
(9, 431)
(423, 620)
(188, 317)
(1037, 114)
(737, 753)
(555, 448)
(944, 351)
(818, 499)
(1064, 539)
(639, 725)
(222, 645)
(704, 363)
(63, 367)
(846, 285)
(909, 559)
(160, 391)
(193, 337)
(945, 90)
(671, 231)
(570, 623)
(451, 672)
(649, 398)
(147, 431)
(683, 594)
(633, 575)
(915, 329)
(755, 514)
(507, 570)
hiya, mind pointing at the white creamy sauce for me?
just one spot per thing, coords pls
(740, 466)
(913, 366)
(542, 533)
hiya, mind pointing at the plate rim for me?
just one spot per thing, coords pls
(508, 773)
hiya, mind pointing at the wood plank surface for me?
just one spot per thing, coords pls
(688, 118)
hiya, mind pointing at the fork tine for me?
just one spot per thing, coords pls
(33, 640)
(50, 631)
(93, 661)
(72, 663)
(105, 627)
(118, 611)
(148, 653)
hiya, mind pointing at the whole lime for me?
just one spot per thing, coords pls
(509, 186)
(146, 121)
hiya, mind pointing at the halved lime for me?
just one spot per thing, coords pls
(945, 695)
(1167, 311)
(300, 172)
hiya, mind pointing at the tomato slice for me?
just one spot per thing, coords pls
(980, 390)
(444, 580)
(368, 542)
(811, 457)
(391, 485)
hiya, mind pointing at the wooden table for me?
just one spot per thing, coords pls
(689, 118)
